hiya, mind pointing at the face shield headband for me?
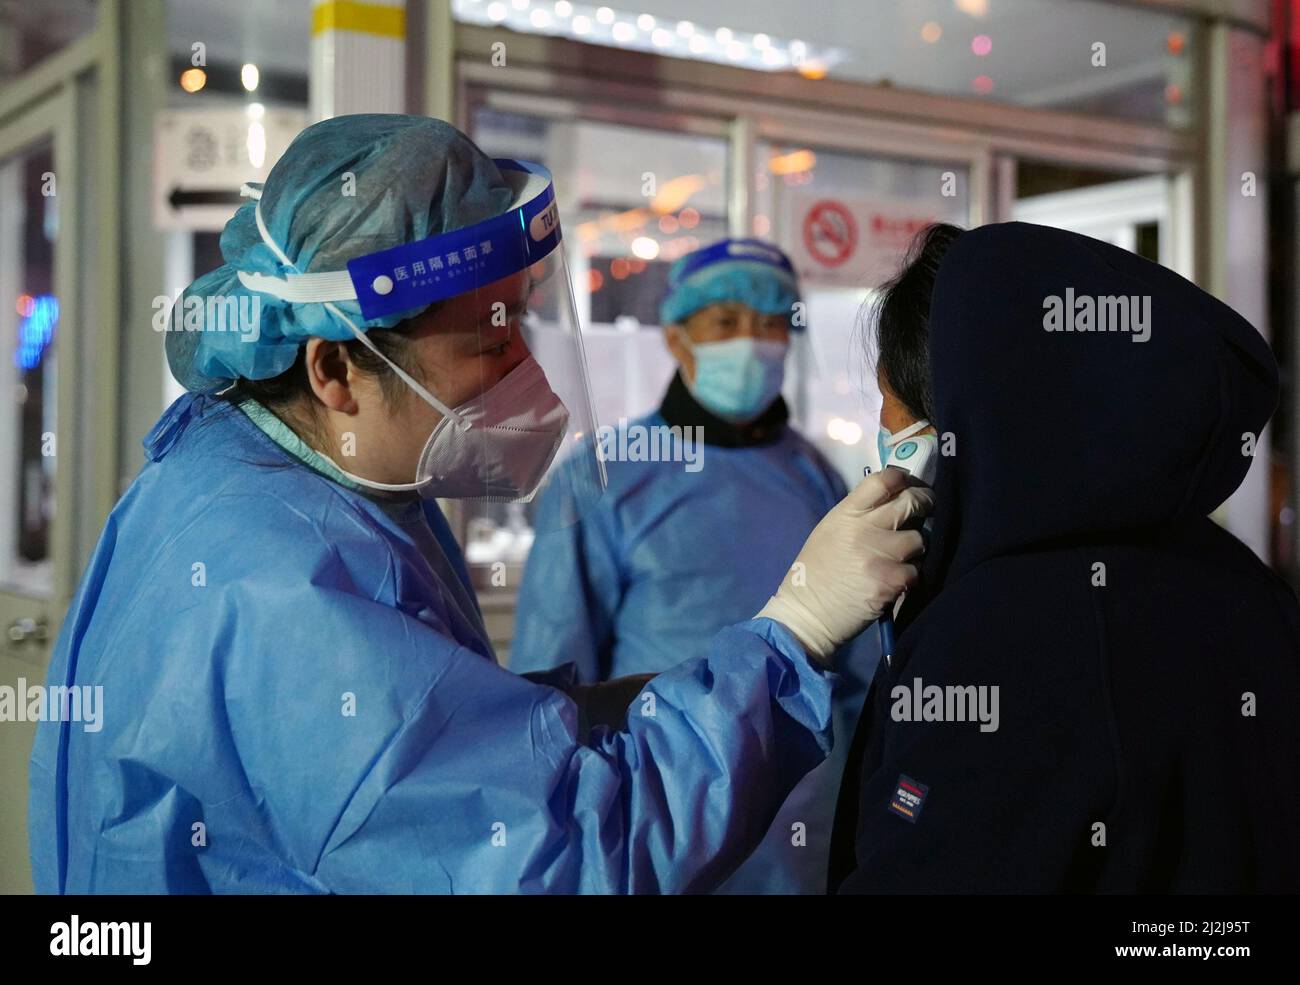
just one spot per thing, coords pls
(415, 275)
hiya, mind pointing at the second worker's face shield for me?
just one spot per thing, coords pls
(503, 354)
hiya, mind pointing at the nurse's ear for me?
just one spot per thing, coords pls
(677, 340)
(332, 375)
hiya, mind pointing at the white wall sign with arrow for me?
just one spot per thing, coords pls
(202, 156)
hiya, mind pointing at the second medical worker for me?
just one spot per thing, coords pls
(298, 694)
(690, 539)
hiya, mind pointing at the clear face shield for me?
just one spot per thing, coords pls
(505, 367)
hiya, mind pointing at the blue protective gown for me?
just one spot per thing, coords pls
(294, 701)
(666, 559)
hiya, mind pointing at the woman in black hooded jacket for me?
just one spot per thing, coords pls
(1147, 664)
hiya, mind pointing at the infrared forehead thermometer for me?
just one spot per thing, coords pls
(915, 455)
(918, 457)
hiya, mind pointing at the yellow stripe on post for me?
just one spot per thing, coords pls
(361, 18)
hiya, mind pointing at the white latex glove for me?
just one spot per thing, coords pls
(854, 564)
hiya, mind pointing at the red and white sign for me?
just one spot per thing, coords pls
(854, 242)
(830, 233)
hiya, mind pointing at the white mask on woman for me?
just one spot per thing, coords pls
(501, 447)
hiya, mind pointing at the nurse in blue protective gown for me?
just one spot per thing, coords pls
(298, 692)
(689, 539)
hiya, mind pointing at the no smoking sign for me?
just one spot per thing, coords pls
(830, 233)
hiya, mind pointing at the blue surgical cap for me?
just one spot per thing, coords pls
(345, 187)
(748, 271)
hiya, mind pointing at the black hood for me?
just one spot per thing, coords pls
(1075, 435)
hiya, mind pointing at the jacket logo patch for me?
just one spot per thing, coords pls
(909, 798)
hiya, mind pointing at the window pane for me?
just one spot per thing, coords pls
(846, 220)
(631, 201)
(29, 317)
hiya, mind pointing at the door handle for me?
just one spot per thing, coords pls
(29, 630)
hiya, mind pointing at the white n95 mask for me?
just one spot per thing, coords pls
(514, 430)
(497, 446)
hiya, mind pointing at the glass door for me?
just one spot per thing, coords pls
(38, 345)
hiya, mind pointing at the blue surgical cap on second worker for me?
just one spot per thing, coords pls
(749, 271)
(345, 187)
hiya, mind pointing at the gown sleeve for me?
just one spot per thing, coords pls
(306, 719)
(487, 786)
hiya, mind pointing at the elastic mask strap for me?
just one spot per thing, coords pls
(907, 432)
(406, 377)
(381, 486)
(365, 340)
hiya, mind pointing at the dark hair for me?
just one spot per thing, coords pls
(902, 316)
(283, 395)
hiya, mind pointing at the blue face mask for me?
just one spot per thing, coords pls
(738, 378)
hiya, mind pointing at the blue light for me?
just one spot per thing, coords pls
(36, 332)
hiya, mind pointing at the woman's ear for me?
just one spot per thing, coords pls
(331, 375)
(894, 415)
